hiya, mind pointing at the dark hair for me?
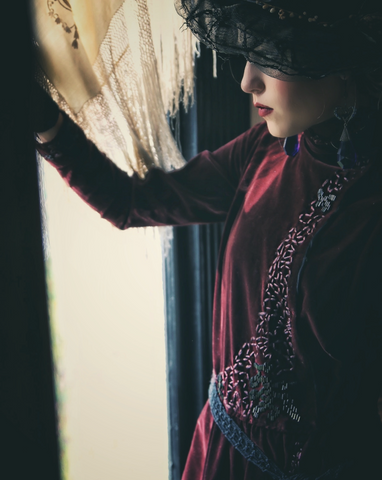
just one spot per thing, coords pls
(371, 84)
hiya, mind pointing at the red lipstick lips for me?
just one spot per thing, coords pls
(263, 109)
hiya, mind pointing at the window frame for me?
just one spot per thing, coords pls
(190, 265)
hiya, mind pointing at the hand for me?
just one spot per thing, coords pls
(44, 111)
(48, 135)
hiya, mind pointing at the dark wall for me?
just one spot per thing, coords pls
(28, 439)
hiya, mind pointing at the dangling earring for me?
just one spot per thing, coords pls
(291, 145)
(346, 155)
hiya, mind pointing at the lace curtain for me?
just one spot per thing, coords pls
(119, 69)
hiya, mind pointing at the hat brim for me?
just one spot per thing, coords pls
(285, 48)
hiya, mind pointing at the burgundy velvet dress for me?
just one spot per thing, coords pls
(297, 315)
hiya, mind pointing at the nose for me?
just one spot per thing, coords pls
(252, 81)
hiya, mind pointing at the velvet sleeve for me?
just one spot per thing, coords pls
(200, 192)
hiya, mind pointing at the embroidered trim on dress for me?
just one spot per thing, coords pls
(274, 333)
(254, 382)
(248, 449)
(238, 438)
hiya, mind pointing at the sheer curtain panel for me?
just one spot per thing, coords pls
(118, 69)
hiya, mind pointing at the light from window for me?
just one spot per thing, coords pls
(107, 321)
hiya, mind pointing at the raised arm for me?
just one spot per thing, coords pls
(200, 192)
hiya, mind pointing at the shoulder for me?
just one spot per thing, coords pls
(248, 142)
(252, 146)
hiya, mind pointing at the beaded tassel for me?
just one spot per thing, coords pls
(346, 155)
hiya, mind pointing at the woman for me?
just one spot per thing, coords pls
(297, 318)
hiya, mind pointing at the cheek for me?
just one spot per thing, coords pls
(317, 99)
(290, 99)
(302, 102)
(307, 100)
(291, 108)
(300, 105)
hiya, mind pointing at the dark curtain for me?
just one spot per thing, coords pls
(221, 112)
(28, 426)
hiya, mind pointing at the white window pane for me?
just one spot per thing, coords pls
(109, 342)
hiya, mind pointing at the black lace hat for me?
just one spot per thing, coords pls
(289, 39)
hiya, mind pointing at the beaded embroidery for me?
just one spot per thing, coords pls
(65, 5)
(253, 383)
(325, 202)
(252, 453)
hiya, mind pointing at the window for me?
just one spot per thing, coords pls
(108, 329)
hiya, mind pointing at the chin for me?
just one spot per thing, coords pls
(279, 131)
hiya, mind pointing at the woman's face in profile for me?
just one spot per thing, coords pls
(294, 106)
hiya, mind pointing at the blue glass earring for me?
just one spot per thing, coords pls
(291, 145)
(346, 155)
